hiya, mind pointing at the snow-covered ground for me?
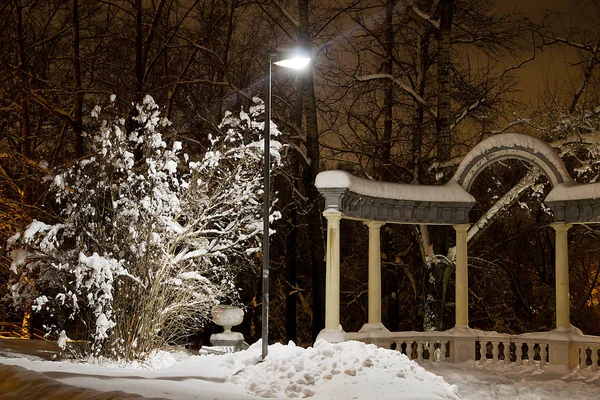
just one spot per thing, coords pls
(349, 370)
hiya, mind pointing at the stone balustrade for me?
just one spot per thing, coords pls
(587, 350)
(433, 346)
(517, 349)
(570, 349)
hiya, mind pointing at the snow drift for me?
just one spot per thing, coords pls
(350, 370)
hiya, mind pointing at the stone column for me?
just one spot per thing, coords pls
(462, 277)
(374, 318)
(333, 330)
(563, 312)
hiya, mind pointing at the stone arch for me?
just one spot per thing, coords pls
(511, 146)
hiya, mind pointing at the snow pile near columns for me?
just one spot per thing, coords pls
(350, 370)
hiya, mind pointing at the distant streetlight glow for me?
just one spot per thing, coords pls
(296, 59)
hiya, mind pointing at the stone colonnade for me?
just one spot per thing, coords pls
(333, 331)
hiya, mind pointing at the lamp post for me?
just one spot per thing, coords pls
(294, 59)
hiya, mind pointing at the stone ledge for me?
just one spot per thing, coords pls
(364, 207)
(576, 211)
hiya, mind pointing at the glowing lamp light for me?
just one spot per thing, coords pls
(297, 62)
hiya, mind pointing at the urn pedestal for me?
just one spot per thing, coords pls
(227, 341)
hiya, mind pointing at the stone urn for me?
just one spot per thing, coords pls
(227, 317)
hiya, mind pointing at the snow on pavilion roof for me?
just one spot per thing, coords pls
(575, 202)
(366, 199)
(515, 146)
(574, 191)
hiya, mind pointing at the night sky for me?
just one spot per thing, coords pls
(550, 66)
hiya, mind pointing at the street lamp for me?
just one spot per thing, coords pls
(294, 59)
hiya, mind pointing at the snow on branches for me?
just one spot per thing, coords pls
(149, 241)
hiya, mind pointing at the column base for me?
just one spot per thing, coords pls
(374, 329)
(571, 329)
(332, 335)
(562, 351)
(462, 346)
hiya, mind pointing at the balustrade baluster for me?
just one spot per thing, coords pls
(495, 351)
(586, 356)
(410, 348)
(420, 345)
(543, 354)
(434, 352)
(582, 356)
(530, 352)
(594, 358)
(481, 352)
(519, 353)
(442, 350)
(506, 352)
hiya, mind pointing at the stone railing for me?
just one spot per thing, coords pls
(432, 345)
(568, 348)
(586, 349)
(532, 348)
(463, 344)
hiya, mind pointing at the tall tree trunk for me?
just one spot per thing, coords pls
(317, 252)
(225, 56)
(142, 50)
(25, 145)
(444, 141)
(441, 234)
(291, 300)
(26, 142)
(292, 261)
(386, 151)
(418, 112)
(139, 52)
(386, 142)
(77, 88)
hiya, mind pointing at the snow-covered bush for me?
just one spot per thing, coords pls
(149, 241)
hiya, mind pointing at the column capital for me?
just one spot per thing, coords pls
(561, 226)
(332, 214)
(461, 227)
(374, 224)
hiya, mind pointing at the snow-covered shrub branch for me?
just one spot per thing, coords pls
(573, 132)
(149, 240)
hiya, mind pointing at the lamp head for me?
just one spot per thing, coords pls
(295, 59)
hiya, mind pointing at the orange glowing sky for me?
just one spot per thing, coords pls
(551, 68)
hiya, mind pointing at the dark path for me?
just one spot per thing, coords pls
(33, 347)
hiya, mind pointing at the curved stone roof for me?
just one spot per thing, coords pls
(366, 199)
(512, 145)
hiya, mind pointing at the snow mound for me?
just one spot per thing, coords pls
(349, 370)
